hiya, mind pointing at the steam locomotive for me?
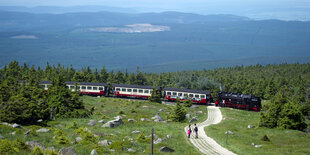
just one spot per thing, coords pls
(238, 101)
(135, 91)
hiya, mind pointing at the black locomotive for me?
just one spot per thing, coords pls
(238, 101)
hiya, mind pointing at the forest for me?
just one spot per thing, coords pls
(283, 83)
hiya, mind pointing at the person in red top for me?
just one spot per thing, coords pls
(189, 131)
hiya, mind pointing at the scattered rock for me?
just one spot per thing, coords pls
(132, 120)
(157, 117)
(1, 137)
(114, 123)
(193, 120)
(94, 152)
(164, 139)
(253, 144)
(199, 112)
(166, 149)
(17, 126)
(161, 110)
(40, 120)
(145, 106)
(131, 150)
(92, 123)
(169, 136)
(136, 132)
(287, 131)
(251, 126)
(13, 133)
(133, 143)
(102, 121)
(159, 140)
(27, 133)
(43, 130)
(67, 151)
(155, 136)
(124, 115)
(118, 117)
(87, 129)
(164, 121)
(112, 150)
(188, 116)
(144, 119)
(78, 139)
(32, 144)
(104, 143)
(229, 132)
(5, 123)
(257, 146)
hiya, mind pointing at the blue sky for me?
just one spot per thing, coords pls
(281, 9)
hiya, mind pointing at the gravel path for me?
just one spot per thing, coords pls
(204, 143)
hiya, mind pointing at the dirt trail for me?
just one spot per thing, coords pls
(204, 143)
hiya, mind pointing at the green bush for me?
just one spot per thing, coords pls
(188, 103)
(141, 138)
(6, 146)
(121, 112)
(120, 145)
(133, 111)
(104, 117)
(62, 140)
(36, 151)
(179, 113)
(87, 137)
(74, 126)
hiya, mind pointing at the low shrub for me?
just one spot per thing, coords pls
(265, 138)
(133, 111)
(104, 117)
(121, 112)
(120, 145)
(37, 151)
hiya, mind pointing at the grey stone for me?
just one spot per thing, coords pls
(169, 136)
(91, 123)
(199, 112)
(159, 140)
(94, 152)
(164, 139)
(131, 150)
(253, 144)
(1, 137)
(166, 149)
(229, 132)
(13, 133)
(43, 130)
(114, 123)
(145, 106)
(32, 144)
(136, 132)
(27, 132)
(133, 143)
(145, 119)
(104, 143)
(40, 120)
(78, 139)
(257, 146)
(17, 126)
(161, 110)
(193, 120)
(67, 151)
(5, 123)
(132, 120)
(102, 121)
(188, 116)
(157, 117)
(251, 126)
(112, 150)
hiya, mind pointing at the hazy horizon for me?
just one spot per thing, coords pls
(256, 9)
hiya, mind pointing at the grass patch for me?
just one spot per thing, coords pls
(237, 121)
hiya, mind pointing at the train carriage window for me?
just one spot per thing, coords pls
(100, 88)
(185, 95)
(67, 87)
(196, 96)
(179, 94)
(191, 95)
(88, 88)
(140, 91)
(123, 89)
(78, 87)
(202, 96)
(174, 93)
(118, 89)
(95, 88)
(71, 87)
(83, 87)
(168, 93)
(146, 91)
(128, 90)
(134, 90)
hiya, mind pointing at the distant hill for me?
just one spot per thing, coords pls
(29, 21)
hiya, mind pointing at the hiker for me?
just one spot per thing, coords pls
(196, 131)
(189, 131)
